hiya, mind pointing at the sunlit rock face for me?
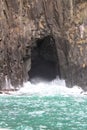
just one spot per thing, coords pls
(22, 22)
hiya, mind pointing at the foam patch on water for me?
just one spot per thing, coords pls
(52, 88)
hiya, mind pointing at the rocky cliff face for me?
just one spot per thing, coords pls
(24, 22)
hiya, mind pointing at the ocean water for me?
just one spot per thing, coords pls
(44, 106)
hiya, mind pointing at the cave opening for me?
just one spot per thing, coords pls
(44, 60)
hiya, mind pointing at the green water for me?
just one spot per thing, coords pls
(43, 112)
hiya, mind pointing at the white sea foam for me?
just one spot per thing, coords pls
(52, 88)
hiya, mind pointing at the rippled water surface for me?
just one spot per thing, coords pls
(43, 112)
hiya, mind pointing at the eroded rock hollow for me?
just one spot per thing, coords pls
(43, 34)
(44, 60)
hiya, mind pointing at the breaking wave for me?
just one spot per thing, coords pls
(43, 88)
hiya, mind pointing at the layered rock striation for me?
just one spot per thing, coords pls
(24, 22)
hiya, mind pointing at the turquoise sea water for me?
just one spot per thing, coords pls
(43, 112)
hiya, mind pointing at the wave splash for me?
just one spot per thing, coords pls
(43, 88)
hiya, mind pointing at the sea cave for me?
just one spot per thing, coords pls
(44, 60)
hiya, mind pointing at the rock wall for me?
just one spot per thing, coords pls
(22, 22)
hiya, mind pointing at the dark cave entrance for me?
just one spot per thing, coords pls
(44, 60)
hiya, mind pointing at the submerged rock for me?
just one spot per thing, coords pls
(24, 22)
